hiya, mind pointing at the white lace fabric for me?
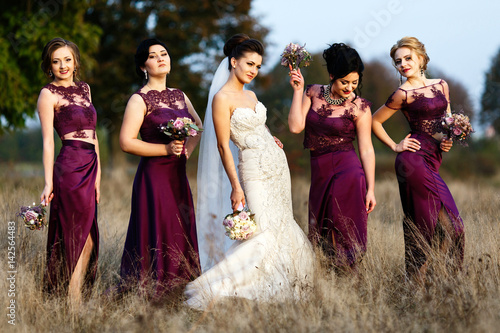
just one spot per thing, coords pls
(277, 262)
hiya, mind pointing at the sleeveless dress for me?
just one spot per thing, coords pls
(337, 209)
(276, 263)
(73, 211)
(161, 245)
(423, 192)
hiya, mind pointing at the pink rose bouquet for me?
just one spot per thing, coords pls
(458, 126)
(33, 217)
(240, 225)
(180, 128)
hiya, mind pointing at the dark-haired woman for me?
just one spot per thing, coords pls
(431, 216)
(342, 188)
(161, 245)
(276, 263)
(72, 183)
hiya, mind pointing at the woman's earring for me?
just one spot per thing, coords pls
(50, 73)
(421, 72)
(145, 74)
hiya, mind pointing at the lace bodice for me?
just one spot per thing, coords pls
(331, 127)
(73, 112)
(258, 149)
(423, 107)
(161, 106)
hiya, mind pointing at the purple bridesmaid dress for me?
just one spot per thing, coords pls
(337, 210)
(73, 211)
(423, 192)
(161, 244)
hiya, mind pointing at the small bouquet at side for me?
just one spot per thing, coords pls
(33, 217)
(296, 56)
(458, 126)
(240, 225)
(180, 128)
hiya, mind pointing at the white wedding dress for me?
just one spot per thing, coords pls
(276, 263)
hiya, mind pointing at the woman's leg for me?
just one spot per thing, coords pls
(78, 276)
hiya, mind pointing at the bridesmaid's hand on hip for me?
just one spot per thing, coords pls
(409, 144)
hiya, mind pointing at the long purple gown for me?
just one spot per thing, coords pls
(161, 244)
(423, 192)
(337, 210)
(73, 210)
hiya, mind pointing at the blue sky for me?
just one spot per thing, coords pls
(461, 37)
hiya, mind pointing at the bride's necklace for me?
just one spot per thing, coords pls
(332, 101)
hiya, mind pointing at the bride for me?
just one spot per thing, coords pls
(276, 263)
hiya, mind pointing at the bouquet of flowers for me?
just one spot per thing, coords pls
(458, 127)
(296, 56)
(33, 217)
(180, 128)
(240, 225)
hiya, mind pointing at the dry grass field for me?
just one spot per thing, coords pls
(378, 299)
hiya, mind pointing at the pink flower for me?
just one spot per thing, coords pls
(31, 216)
(243, 215)
(230, 223)
(457, 131)
(179, 124)
(192, 132)
(448, 120)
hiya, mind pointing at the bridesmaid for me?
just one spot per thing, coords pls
(342, 188)
(431, 216)
(72, 183)
(161, 242)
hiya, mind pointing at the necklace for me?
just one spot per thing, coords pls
(332, 101)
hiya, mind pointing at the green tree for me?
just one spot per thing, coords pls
(194, 32)
(27, 26)
(490, 100)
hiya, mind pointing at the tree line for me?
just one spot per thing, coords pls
(108, 33)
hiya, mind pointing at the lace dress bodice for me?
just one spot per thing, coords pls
(73, 112)
(161, 106)
(423, 107)
(331, 127)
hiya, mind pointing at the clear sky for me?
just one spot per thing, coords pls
(461, 37)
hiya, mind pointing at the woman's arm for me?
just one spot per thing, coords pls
(98, 177)
(382, 114)
(192, 141)
(300, 103)
(132, 122)
(367, 156)
(45, 107)
(221, 114)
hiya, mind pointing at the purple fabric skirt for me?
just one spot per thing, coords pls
(423, 194)
(73, 214)
(161, 243)
(337, 210)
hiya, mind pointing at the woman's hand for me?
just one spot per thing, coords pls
(47, 195)
(407, 143)
(97, 191)
(446, 144)
(296, 79)
(237, 197)
(175, 147)
(370, 201)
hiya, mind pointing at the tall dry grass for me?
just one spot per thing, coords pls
(377, 300)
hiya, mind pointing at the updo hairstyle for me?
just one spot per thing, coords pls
(142, 54)
(239, 44)
(341, 60)
(415, 46)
